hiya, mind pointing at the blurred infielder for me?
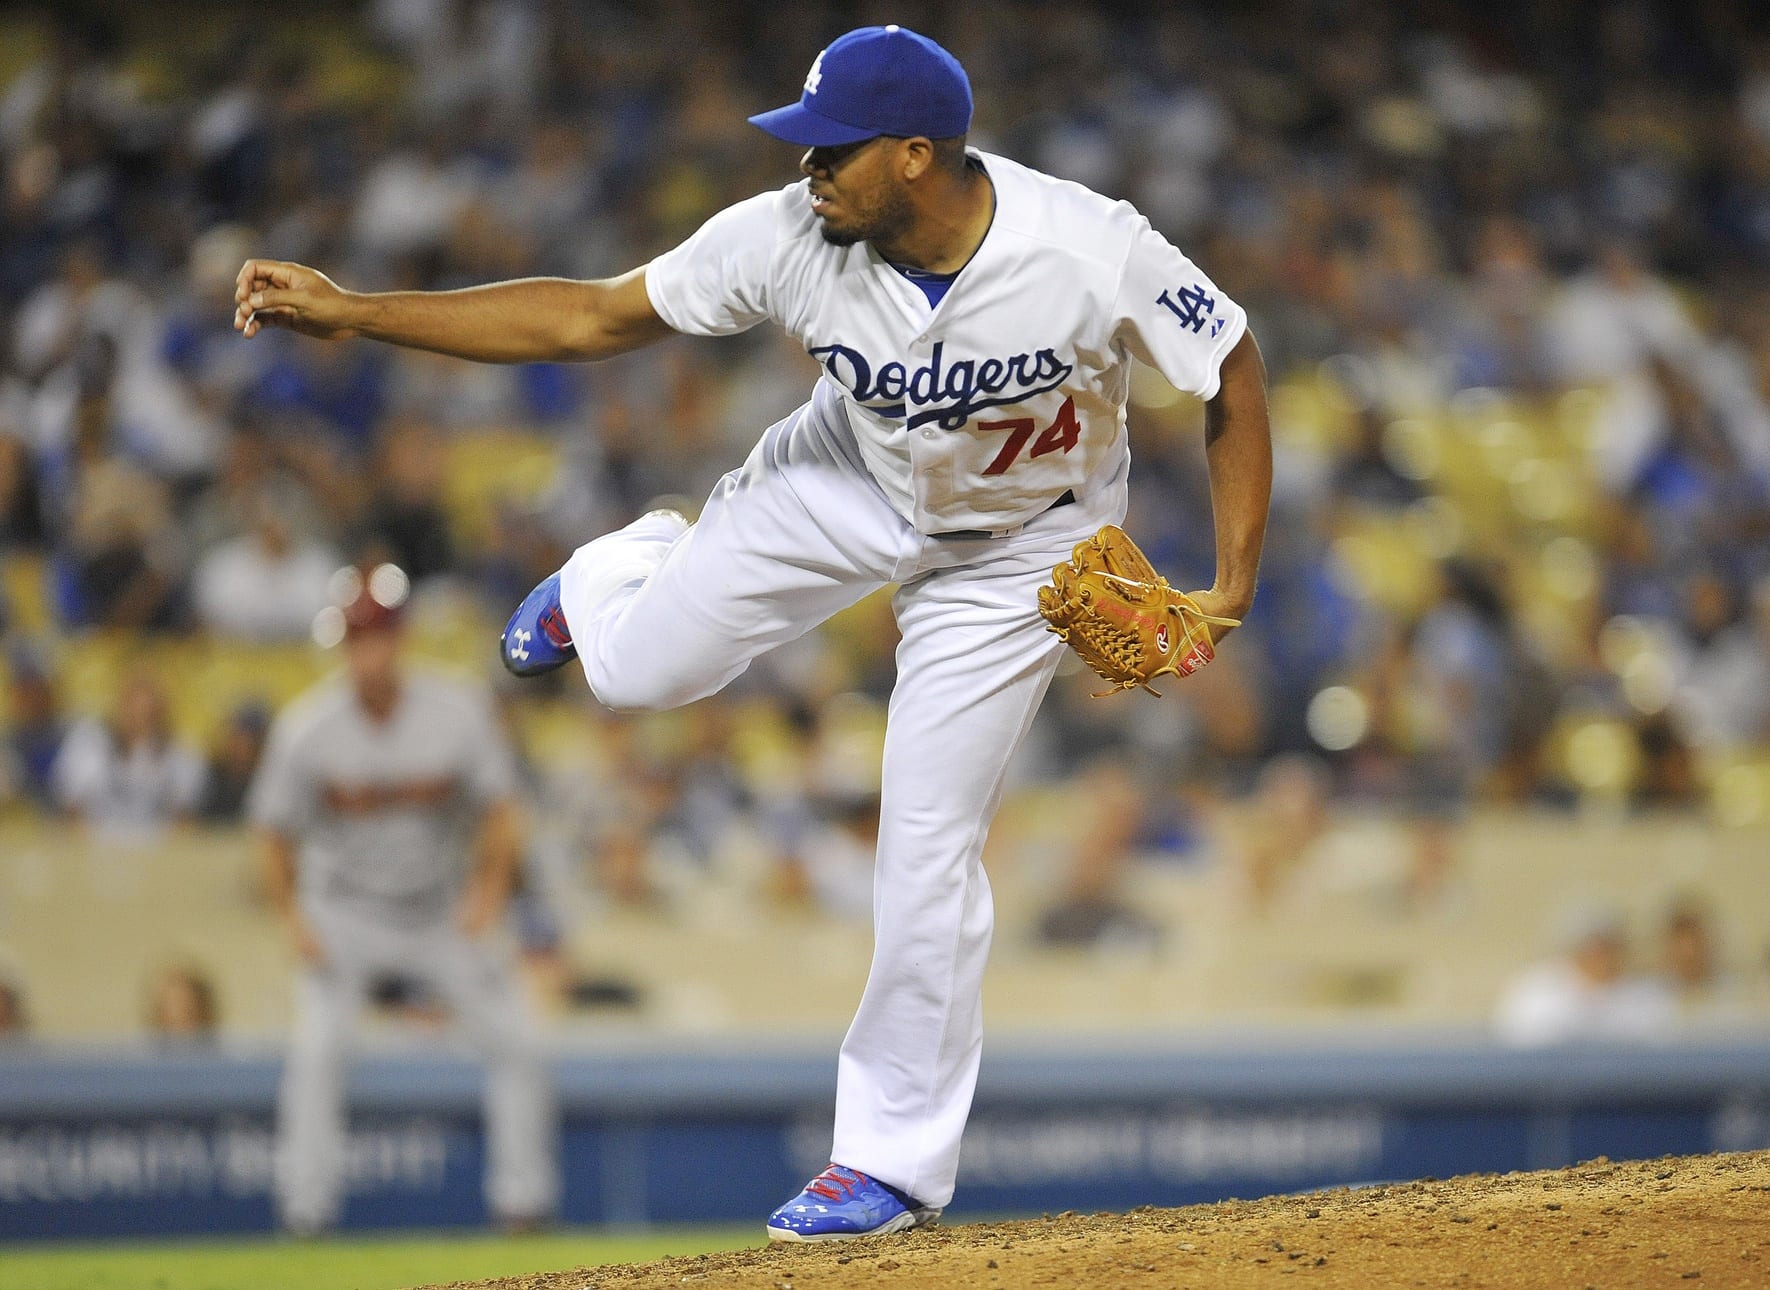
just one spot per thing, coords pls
(976, 322)
(376, 788)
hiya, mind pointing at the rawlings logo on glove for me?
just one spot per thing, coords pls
(1111, 607)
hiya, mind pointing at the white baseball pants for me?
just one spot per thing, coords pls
(480, 988)
(662, 617)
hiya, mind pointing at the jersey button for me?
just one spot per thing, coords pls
(928, 434)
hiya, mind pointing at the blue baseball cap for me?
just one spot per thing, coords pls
(873, 81)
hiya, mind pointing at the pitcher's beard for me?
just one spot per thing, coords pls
(884, 222)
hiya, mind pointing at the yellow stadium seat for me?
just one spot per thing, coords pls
(1312, 412)
(1379, 557)
(1598, 756)
(24, 587)
(1738, 785)
(491, 467)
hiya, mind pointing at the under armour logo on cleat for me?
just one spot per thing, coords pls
(519, 651)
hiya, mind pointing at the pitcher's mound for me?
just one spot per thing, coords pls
(1696, 1220)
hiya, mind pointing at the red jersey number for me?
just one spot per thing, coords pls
(1061, 435)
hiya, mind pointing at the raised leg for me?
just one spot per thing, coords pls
(661, 617)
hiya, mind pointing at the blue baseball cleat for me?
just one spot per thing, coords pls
(841, 1203)
(536, 639)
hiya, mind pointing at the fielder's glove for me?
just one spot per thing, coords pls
(1111, 607)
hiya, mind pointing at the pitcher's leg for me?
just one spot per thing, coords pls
(661, 617)
(971, 674)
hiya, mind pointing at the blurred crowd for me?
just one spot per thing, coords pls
(1431, 211)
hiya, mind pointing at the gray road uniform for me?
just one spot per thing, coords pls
(384, 815)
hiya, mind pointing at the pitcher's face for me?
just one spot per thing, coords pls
(858, 191)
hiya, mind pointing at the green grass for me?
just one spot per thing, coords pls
(342, 1264)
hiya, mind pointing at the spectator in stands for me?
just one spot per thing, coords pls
(1466, 661)
(21, 508)
(1092, 911)
(1587, 992)
(267, 584)
(233, 763)
(57, 323)
(406, 512)
(181, 1007)
(130, 775)
(1723, 700)
(1367, 476)
(1690, 963)
(708, 799)
(196, 341)
(1271, 835)
(1621, 326)
(28, 240)
(833, 863)
(34, 730)
(554, 188)
(1499, 342)
(15, 1022)
(1688, 950)
(1640, 576)
(410, 198)
(337, 393)
(89, 309)
(1669, 778)
(123, 561)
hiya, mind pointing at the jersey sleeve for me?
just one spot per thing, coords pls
(284, 791)
(1169, 315)
(717, 282)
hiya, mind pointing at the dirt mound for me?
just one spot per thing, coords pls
(1698, 1220)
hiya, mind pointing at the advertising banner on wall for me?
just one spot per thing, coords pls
(191, 1150)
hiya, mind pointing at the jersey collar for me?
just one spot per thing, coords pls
(907, 293)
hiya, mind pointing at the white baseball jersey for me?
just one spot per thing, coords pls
(982, 411)
(931, 455)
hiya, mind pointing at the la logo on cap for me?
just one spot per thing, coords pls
(815, 77)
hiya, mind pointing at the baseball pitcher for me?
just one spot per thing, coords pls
(976, 322)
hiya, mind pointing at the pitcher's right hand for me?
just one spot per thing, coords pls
(276, 293)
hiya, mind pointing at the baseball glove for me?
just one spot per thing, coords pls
(1110, 606)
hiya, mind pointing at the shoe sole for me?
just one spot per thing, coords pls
(903, 1222)
(527, 669)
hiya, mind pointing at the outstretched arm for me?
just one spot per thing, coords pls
(1238, 452)
(530, 320)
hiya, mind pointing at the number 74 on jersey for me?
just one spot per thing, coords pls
(1060, 436)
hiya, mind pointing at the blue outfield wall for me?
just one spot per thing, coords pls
(97, 1144)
